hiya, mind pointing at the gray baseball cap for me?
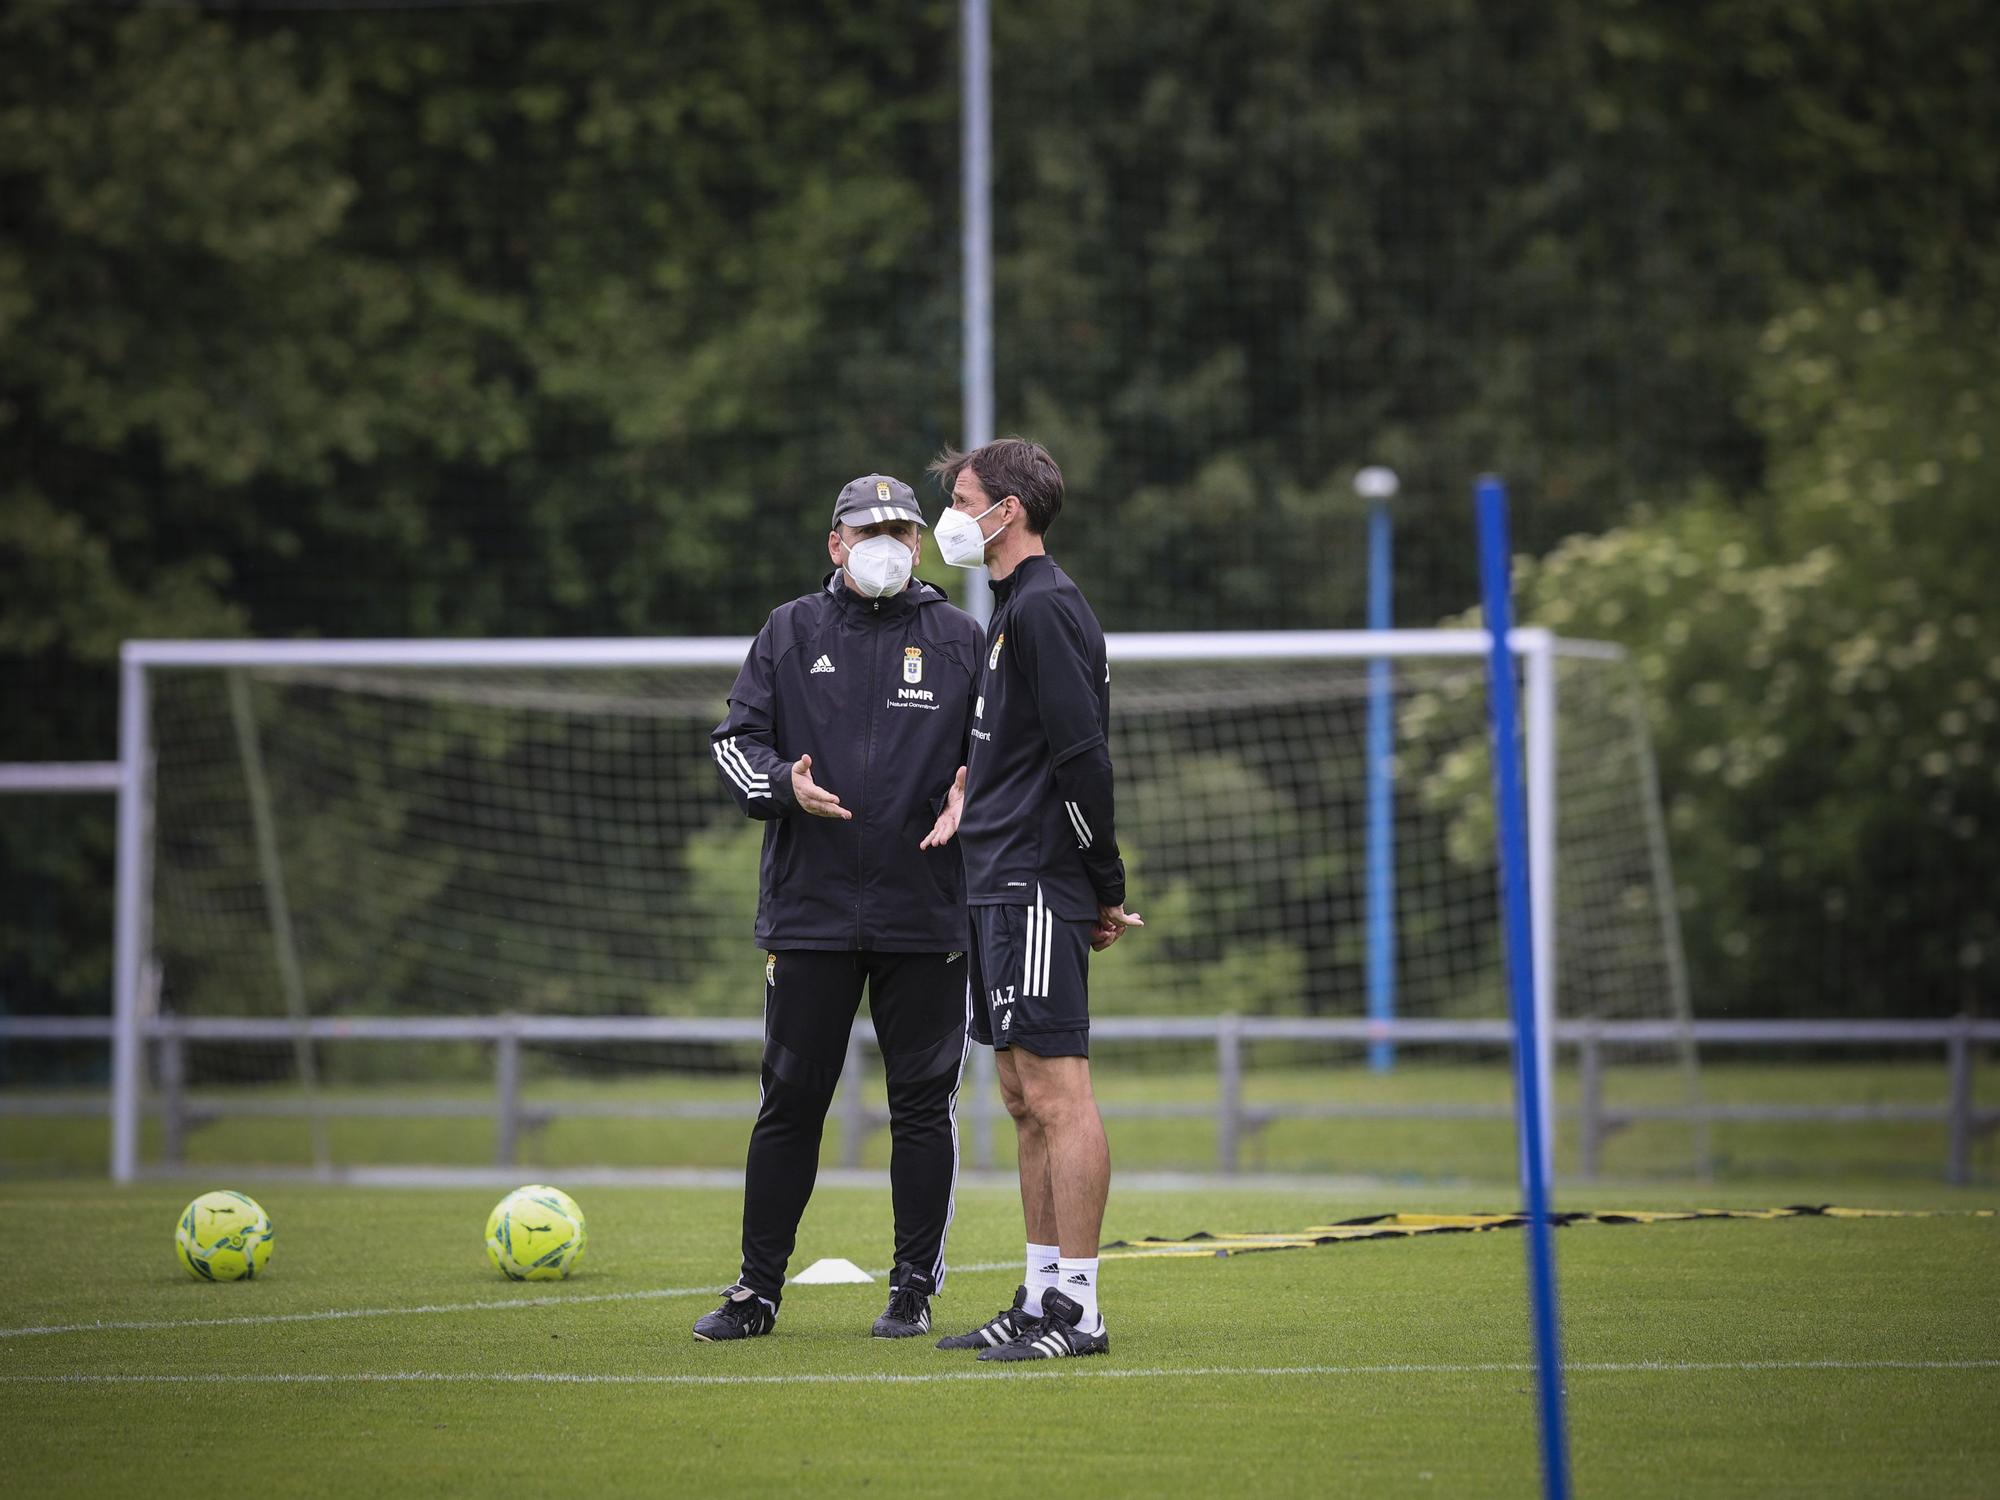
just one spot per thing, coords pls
(876, 497)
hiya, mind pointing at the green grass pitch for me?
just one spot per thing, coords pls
(381, 1356)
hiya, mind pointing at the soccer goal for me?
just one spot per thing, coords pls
(434, 904)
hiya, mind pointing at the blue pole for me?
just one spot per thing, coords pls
(1381, 794)
(1504, 715)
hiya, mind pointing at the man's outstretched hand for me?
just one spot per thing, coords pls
(947, 821)
(810, 795)
(1111, 924)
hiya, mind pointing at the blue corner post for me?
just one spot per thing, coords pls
(1505, 721)
(1378, 485)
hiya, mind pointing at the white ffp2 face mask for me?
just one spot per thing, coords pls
(879, 566)
(960, 541)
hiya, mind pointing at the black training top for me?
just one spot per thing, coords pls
(879, 693)
(1038, 785)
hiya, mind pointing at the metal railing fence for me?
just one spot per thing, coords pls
(1235, 1116)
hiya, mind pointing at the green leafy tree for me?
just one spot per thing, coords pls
(517, 320)
(1821, 678)
(567, 319)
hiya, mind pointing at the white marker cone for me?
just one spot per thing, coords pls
(830, 1273)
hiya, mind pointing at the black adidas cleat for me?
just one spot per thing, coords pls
(1003, 1327)
(743, 1315)
(909, 1311)
(1057, 1336)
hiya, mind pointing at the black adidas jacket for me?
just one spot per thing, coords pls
(879, 692)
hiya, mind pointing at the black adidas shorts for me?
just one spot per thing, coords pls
(1030, 981)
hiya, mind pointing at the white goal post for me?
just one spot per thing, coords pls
(1182, 677)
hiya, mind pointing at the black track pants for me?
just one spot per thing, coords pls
(918, 1001)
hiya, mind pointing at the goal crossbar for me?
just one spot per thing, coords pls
(715, 651)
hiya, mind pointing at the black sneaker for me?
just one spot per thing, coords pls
(909, 1311)
(1057, 1337)
(743, 1315)
(1003, 1327)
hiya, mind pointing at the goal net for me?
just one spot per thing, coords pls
(453, 904)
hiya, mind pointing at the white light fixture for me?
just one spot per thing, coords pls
(1376, 483)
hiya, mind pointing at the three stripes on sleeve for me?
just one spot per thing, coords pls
(736, 766)
(1076, 822)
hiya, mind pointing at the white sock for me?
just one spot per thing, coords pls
(1077, 1280)
(1043, 1261)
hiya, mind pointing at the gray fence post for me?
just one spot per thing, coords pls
(853, 1117)
(1590, 1104)
(1229, 1090)
(1958, 1161)
(173, 1098)
(506, 1093)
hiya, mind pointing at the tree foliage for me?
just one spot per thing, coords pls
(569, 319)
(1821, 672)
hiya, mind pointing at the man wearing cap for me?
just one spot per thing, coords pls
(847, 733)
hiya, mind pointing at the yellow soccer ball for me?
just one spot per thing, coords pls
(223, 1236)
(535, 1233)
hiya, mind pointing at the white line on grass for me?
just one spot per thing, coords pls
(334, 1314)
(1091, 1372)
(556, 1299)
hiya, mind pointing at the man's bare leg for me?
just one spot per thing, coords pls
(1057, 1096)
(1038, 1204)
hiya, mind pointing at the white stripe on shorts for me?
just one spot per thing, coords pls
(1048, 932)
(1028, 929)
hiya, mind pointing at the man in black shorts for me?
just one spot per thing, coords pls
(1043, 878)
(847, 732)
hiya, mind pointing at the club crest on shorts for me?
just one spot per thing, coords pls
(993, 656)
(913, 664)
(770, 968)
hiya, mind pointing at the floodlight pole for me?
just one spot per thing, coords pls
(976, 233)
(1378, 487)
(1530, 1080)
